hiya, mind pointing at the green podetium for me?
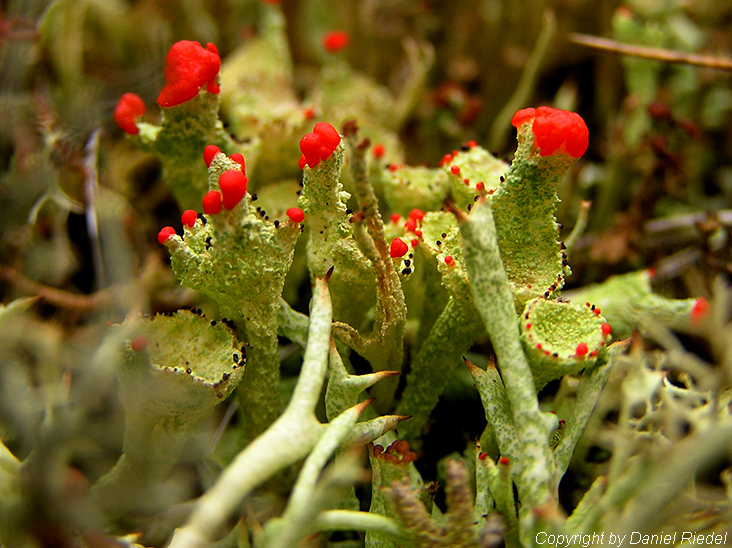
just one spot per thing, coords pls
(331, 239)
(549, 142)
(628, 301)
(558, 337)
(238, 257)
(364, 275)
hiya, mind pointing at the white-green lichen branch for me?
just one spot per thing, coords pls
(288, 440)
(494, 301)
(311, 494)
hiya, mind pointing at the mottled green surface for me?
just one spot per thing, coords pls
(476, 165)
(331, 242)
(186, 368)
(628, 301)
(240, 260)
(524, 208)
(185, 130)
(551, 331)
(414, 187)
(456, 327)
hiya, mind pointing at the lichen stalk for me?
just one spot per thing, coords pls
(289, 439)
(591, 385)
(385, 348)
(494, 301)
(497, 409)
(451, 335)
(306, 500)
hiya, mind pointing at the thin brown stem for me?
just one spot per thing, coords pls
(657, 54)
(55, 296)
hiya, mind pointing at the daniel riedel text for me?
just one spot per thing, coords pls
(635, 538)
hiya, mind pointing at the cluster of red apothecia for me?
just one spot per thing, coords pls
(398, 452)
(188, 67)
(318, 145)
(555, 130)
(232, 189)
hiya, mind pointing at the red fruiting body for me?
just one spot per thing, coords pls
(455, 170)
(303, 162)
(606, 329)
(410, 225)
(378, 151)
(308, 113)
(165, 233)
(239, 159)
(395, 217)
(700, 309)
(416, 214)
(446, 159)
(449, 261)
(523, 115)
(233, 185)
(188, 67)
(138, 343)
(296, 214)
(130, 106)
(582, 349)
(319, 144)
(189, 218)
(555, 130)
(335, 41)
(208, 154)
(504, 461)
(414, 242)
(393, 167)
(480, 187)
(400, 446)
(398, 248)
(212, 202)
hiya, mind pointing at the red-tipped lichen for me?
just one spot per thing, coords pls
(233, 185)
(319, 144)
(378, 151)
(212, 202)
(138, 343)
(699, 310)
(295, 214)
(165, 233)
(555, 130)
(398, 248)
(208, 154)
(129, 108)
(188, 67)
(188, 218)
